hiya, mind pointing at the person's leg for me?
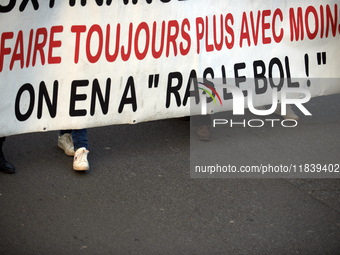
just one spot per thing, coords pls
(80, 142)
(65, 142)
(203, 123)
(2, 139)
(290, 114)
(5, 166)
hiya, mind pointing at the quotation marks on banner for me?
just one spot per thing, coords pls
(321, 56)
(321, 59)
(153, 83)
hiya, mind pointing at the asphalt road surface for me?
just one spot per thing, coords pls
(138, 197)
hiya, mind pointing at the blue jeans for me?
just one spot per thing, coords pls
(79, 137)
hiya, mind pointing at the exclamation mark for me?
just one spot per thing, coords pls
(307, 68)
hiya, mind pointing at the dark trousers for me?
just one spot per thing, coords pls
(79, 137)
(2, 139)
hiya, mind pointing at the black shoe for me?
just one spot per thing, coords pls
(5, 166)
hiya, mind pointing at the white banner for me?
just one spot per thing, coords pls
(77, 63)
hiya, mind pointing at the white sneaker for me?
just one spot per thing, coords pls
(290, 114)
(65, 142)
(80, 162)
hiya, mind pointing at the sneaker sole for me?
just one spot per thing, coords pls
(81, 169)
(71, 154)
(203, 138)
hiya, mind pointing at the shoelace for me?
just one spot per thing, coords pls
(81, 155)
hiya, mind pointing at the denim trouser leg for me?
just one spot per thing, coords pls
(79, 137)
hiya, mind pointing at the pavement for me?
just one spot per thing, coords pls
(138, 197)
